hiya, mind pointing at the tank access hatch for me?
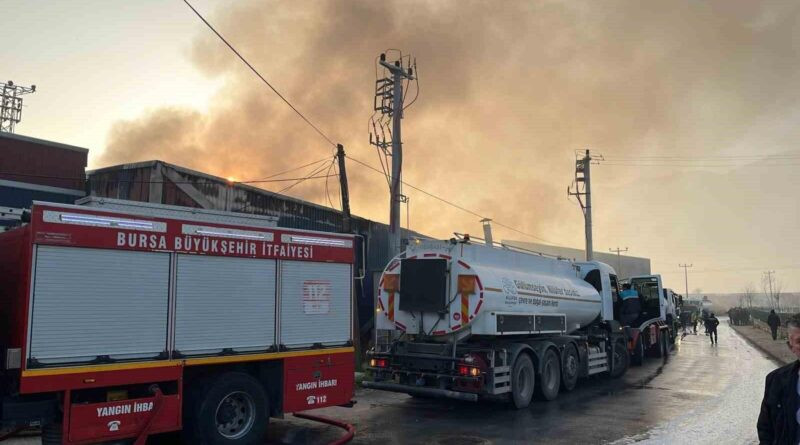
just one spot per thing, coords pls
(423, 285)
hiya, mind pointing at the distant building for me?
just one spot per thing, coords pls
(35, 169)
(625, 266)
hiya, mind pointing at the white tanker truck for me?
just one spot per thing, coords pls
(468, 321)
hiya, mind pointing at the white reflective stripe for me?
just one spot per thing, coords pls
(84, 219)
(317, 241)
(222, 232)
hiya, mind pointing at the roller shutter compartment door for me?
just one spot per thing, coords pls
(315, 303)
(224, 303)
(90, 303)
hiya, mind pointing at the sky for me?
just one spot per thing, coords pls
(690, 107)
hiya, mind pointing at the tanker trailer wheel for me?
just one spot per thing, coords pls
(231, 409)
(620, 359)
(637, 356)
(523, 378)
(569, 368)
(550, 372)
(659, 350)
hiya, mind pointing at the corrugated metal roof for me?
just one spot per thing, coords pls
(20, 137)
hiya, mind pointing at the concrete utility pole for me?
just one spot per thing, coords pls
(686, 276)
(345, 192)
(399, 74)
(583, 174)
(619, 259)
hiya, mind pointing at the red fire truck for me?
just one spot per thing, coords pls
(118, 323)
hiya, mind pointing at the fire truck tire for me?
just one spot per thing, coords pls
(569, 368)
(550, 376)
(523, 379)
(52, 433)
(233, 408)
(620, 359)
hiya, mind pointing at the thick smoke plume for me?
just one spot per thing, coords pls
(508, 92)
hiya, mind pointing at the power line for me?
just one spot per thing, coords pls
(290, 170)
(463, 209)
(316, 171)
(258, 74)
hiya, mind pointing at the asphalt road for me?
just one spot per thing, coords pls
(699, 394)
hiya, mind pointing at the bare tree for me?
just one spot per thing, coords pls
(748, 294)
(765, 288)
(777, 288)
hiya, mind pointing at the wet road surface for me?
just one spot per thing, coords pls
(700, 394)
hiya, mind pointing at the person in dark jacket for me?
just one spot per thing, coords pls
(778, 421)
(631, 306)
(773, 321)
(711, 327)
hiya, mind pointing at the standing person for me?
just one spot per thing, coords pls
(631, 307)
(686, 319)
(774, 321)
(694, 321)
(711, 327)
(778, 421)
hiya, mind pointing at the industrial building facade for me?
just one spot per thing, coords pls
(625, 266)
(35, 169)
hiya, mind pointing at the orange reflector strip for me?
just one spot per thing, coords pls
(464, 308)
(390, 283)
(466, 284)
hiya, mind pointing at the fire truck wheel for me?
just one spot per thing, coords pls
(569, 368)
(51, 433)
(550, 372)
(620, 360)
(523, 378)
(233, 409)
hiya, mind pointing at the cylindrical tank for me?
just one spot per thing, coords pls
(469, 289)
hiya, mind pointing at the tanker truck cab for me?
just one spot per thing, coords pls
(650, 333)
(468, 321)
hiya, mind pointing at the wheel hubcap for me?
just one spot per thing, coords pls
(572, 365)
(235, 415)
